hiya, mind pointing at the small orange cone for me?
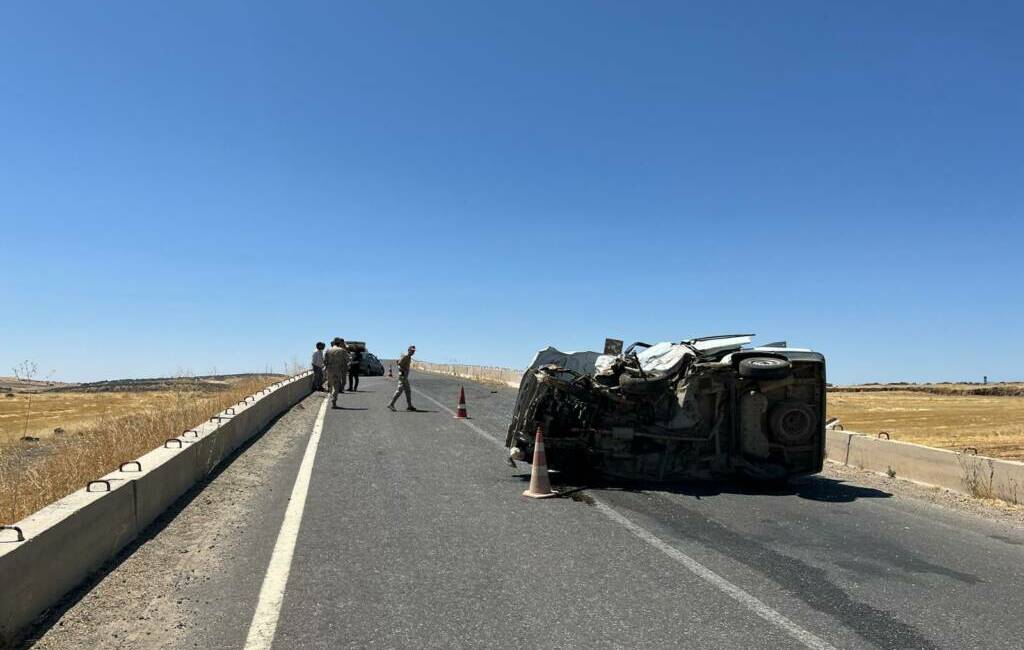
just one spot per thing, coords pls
(540, 484)
(460, 413)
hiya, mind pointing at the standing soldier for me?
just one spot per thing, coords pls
(336, 361)
(318, 367)
(403, 380)
(355, 364)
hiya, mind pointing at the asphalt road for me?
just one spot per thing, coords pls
(414, 535)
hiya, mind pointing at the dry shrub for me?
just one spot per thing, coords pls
(35, 477)
(978, 475)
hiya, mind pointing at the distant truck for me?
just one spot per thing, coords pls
(371, 365)
(696, 409)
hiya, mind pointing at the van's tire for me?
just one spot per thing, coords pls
(765, 368)
(643, 385)
(793, 423)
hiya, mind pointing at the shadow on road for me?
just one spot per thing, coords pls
(814, 488)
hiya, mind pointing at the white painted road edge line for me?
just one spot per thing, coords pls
(268, 607)
(754, 604)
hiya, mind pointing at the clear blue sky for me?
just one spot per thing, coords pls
(199, 185)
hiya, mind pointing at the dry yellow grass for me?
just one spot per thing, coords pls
(69, 410)
(994, 425)
(101, 431)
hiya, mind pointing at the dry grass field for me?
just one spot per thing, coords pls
(100, 429)
(69, 410)
(994, 425)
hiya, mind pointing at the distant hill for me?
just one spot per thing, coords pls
(1000, 389)
(202, 383)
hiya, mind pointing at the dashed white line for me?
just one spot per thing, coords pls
(268, 607)
(754, 604)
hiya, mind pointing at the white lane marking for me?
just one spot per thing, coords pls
(268, 607)
(754, 604)
(468, 423)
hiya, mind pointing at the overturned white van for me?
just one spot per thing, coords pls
(697, 409)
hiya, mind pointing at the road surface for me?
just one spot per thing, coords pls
(407, 530)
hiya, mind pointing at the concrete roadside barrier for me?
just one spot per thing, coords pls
(64, 543)
(485, 374)
(837, 445)
(168, 473)
(68, 540)
(961, 472)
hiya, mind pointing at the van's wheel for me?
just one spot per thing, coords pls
(764, 368)
(792, 423)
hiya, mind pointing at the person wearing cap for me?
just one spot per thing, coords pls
(318, 367)
(403, 380)
(336, 362)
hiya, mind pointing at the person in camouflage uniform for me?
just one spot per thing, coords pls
(403, 380)
(336, 362)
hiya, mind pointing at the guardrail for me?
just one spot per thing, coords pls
(484, 374)
(49, 553)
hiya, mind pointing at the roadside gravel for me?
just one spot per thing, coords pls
(994, 510)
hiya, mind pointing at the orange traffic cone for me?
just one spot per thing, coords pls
(460, 413)
(540, 483)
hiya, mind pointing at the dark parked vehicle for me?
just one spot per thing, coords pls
(370, 365)
(696, 409)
